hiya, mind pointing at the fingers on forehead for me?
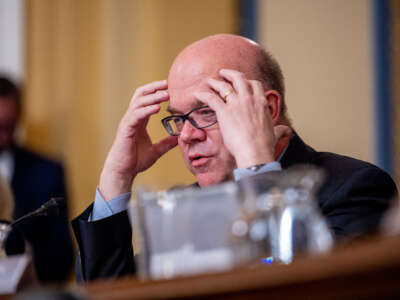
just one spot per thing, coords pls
(151, 87)
(228, 73)
(220, 86)
(238, 79)
(157, 97)
(210, 99)
(257, 87)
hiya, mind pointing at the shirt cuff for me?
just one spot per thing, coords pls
(243, 172)
(103, 209)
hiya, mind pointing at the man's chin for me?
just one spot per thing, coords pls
(208, 179)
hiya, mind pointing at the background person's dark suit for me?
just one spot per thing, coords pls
(353, 200)
(35, 180)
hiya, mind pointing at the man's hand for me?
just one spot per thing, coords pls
(133, 151)
(244, 118)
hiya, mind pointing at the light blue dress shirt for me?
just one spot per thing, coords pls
(103, 209)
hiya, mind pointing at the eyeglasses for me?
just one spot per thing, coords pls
(200, 117)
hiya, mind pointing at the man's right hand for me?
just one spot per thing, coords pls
(133, 151)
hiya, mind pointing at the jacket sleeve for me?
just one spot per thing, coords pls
(105, 246)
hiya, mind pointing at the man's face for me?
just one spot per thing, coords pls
(203, 150)
(8, 121)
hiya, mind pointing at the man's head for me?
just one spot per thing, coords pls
(9, 112)
(189, 74)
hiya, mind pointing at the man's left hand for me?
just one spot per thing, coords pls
(244, 118)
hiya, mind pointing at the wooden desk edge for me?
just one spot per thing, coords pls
(378, 256)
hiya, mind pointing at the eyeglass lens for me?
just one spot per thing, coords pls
(199, 118)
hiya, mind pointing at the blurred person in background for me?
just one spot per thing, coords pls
(34, 179)
(229, 118)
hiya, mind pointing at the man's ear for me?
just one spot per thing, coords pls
(274, 105)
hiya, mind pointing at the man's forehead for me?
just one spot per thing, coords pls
(184, 99)
(182, 93)
(192, 105)
(186, 81)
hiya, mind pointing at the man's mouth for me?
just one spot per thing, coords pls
(198, 160)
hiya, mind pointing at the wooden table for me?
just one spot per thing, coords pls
(364, 270)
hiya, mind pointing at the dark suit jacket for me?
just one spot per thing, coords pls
(353, 200)
(35, 181)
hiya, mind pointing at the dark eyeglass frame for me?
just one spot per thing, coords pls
(184, 118)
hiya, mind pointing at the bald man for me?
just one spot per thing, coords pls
(229, 119)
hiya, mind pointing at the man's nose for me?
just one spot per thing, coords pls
(190, 134)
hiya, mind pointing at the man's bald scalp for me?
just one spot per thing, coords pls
(232, 52)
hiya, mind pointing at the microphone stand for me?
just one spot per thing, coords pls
(53, 207)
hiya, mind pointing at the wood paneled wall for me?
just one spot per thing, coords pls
(84, 61)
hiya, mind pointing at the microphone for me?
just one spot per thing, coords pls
(53, 207)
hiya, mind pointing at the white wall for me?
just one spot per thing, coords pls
(12, 52)
(325, 50)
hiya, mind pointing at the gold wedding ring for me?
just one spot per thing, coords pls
(227, 94)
